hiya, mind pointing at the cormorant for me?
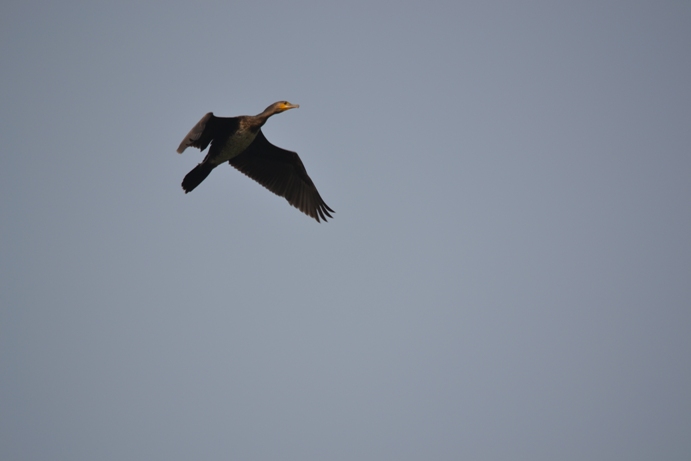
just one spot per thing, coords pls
(240, 142)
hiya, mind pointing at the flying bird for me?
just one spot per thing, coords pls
(240, 142)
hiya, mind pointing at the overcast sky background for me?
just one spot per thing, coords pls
(507, 275)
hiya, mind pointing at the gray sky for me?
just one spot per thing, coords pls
(508, 274)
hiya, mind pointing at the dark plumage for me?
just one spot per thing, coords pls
(240, 142)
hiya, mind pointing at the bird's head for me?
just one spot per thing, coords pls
(282, 106)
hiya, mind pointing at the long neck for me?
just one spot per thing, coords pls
(257, 121)
(268, 112)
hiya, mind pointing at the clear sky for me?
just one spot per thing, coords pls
(507, 275)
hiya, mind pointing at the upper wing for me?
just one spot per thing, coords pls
(207, 129)
(199, 136)
(282, 172)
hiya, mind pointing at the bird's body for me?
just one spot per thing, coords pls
(240, 142)
(235, 145)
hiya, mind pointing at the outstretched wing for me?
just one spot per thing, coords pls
(200, 135)
(282, 172)
(209, 128)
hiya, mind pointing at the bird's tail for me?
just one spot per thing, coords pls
(196, 176)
